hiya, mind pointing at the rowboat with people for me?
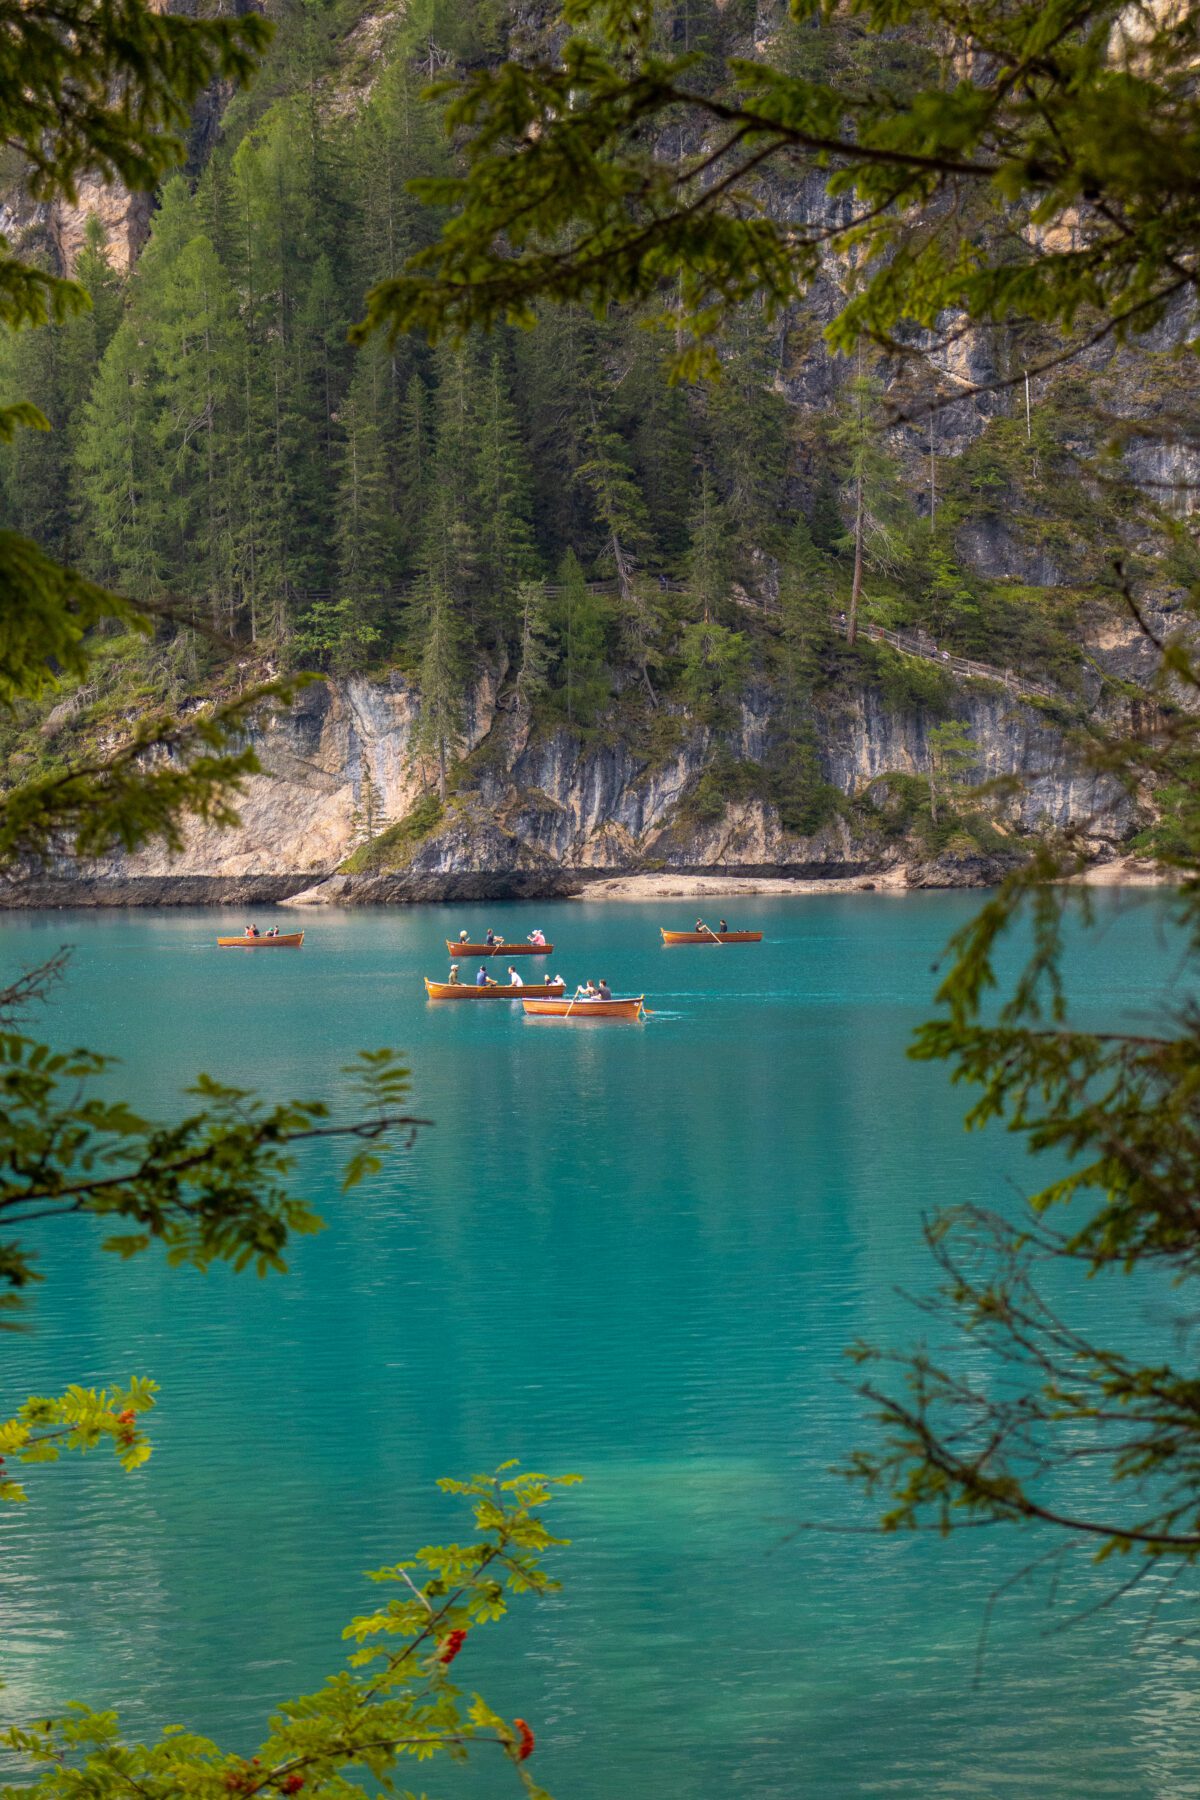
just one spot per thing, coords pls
(282, 940)
(705, 936)
(585, 1007)
(469, 990)
(499, 948)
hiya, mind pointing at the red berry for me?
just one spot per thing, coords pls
(451, 1645)
(525, 1747)
(291, 1784)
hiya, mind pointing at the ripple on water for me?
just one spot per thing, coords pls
(639, 1253)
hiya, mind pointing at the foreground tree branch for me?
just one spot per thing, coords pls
(396, 1698)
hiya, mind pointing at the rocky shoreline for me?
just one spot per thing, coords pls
(412, 888)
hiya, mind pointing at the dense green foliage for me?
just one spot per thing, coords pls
(221, 453)
(1031, 163)
(397, 1699)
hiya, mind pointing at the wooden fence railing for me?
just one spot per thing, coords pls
(912, 645)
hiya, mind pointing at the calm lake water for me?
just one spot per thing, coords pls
(637, 1252)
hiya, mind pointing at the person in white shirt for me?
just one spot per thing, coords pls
(514, 980)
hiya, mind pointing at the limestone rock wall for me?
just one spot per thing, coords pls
(545, 807)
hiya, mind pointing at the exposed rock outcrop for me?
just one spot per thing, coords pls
(544, 814)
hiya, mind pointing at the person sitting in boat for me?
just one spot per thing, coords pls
(721, 925)
(251, 931)
(538, 938)
(556, 981)
(490, 936)
(700, 925)
(514, 980)
(604, 992)
(453, 977)
(587, 993)
(274, 931)
(463, 938)
(483, 979)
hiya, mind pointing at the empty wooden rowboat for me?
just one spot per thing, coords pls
(711, 937)
(466, 990)
(498, 949)
(586, 1009)
(290, 940)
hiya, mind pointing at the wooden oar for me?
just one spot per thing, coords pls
(574, 998)
(712, 934)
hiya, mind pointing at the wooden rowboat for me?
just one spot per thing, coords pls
(587, 1009)
(466, 990)
(290, 940)
(711, 937)
(498, 949)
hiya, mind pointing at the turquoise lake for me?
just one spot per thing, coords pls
(636, 1252)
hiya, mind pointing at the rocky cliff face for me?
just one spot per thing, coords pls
(543, 814)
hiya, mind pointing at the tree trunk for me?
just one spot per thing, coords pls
(856, 587)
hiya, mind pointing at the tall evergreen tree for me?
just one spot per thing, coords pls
(414, 468)
(186, 308)
(455, 477)
(654, 417)
(621, 513)
(533, 655)
(35, 465)
(117, 470)
(579, 619)
(874, 498)
(398, 138)
(555, 370)
(442, 667)
(364, 529)
(707, 567)
(501, 493)
(748, 424)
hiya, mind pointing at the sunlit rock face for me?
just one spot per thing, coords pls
(536, 813)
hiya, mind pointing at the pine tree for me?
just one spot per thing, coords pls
(716, 661)
(369, 816)
(654, 416)
(875, 498)
(294, 322)
(555, 373)
(317, 379)
(706, 569)
(748, 424)
(36, 472)
(414, 471)
(184, 306)
(364, 529)
(116, 471)
(825, 518)
(803, 795)
(442, 668)
(952, 754)
(398, 138)
(534, 652)
(501, 495)
(579, 619)
(455, 516)
(621, 512)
